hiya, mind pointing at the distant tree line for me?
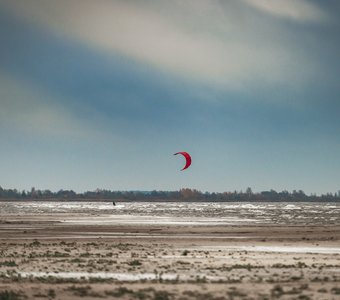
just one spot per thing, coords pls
(185, 194)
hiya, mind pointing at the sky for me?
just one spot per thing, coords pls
(101, 94)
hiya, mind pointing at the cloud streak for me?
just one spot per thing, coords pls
(31, 110)
(212, 43)
(300, 11)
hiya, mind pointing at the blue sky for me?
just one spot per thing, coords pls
(100, 94)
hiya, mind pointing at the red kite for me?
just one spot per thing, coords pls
(187, 159)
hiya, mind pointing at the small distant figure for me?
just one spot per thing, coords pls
(114, 204)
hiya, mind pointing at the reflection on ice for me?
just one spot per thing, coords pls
(183, 213)
(292, 206)
(128, 219)
(282, 249)
(103, 275)
(120, 276)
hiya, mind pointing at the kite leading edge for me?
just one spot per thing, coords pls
(187, 159)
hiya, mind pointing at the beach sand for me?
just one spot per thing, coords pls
(68, 256)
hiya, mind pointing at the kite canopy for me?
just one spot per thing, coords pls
(187, 159)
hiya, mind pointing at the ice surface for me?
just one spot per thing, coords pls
(282, 249)
(174, 213)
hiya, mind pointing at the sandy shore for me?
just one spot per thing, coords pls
(64, 257)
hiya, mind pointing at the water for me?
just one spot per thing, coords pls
(180, 213)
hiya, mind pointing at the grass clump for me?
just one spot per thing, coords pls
(10, 295)
(51, 293)
(80, 291)
(304, 297)
(119, 292)
(208, 296)
(77, 260)
(235, 293)
(135, 262)
(86, 254)
(59, 254)
(295, 278)
(8, 263)
(35, 243)
(277, 291)
(161, 295)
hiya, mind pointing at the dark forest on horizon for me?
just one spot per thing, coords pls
(183, 195)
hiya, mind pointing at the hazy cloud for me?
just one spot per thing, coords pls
(301, 11)
(210, 41)
(31, 110)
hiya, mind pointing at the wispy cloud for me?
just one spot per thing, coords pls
(29, 109)
(210, 42)
(300, 11)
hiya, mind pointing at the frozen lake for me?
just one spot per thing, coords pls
(180, 213)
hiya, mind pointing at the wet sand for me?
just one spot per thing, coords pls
(73, 256)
